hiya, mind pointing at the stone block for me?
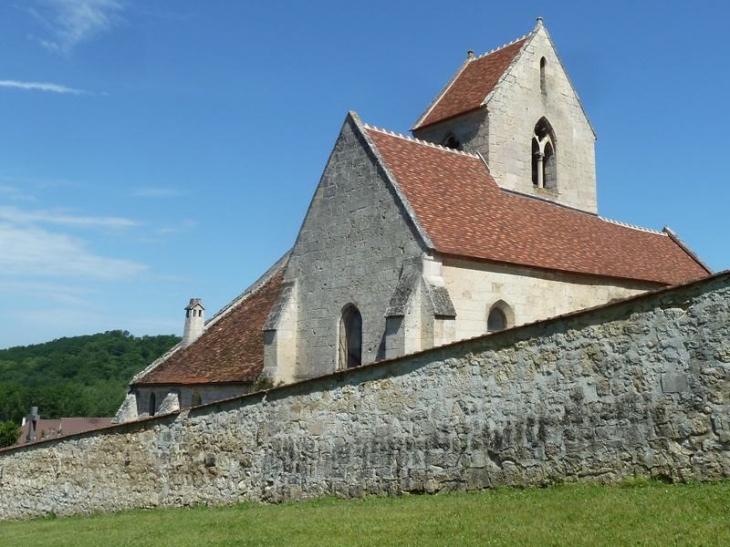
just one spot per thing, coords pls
(673, 382)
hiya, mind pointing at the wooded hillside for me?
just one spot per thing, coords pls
(77, 376)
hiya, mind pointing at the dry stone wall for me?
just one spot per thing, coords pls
(640, 387)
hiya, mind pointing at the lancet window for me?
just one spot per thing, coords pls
(350, 343)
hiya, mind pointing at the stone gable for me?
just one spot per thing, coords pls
(350, 250)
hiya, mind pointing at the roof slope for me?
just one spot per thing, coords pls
(232, 347)
(62, 427)
(471, 85)
(465, 213)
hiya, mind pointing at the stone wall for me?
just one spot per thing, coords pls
(640, 387)
(185, 396)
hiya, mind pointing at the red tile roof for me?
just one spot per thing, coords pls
(469, 88)
(62, 427)
(465, 213)
(231, 349)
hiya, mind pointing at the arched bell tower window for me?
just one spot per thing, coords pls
(451, 142)
(544, 164)
(350, 346)
(500, 317)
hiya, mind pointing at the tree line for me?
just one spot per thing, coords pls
(75, 376)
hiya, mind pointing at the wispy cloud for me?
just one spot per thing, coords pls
(18, 216)
(183, 227)
(156, 193)
(14, 194)
(41, 86)
(48, 291)
(33, 251)
(71, 22)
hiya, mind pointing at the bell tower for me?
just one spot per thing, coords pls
(517, 108)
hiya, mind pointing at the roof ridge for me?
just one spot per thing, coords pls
(632, 226)
(496, 49)
(546, 200)
(80, 418)
(421, 141)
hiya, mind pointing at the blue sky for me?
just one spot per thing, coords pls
(156, 150)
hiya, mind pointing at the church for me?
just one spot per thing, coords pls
(484, 219)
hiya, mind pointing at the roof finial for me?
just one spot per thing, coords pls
(539, 21)
(470, 54)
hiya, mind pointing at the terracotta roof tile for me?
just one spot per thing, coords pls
(472, 85)
(230, 350)
(465, 213)
(62, 427)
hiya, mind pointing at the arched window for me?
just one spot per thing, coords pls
(543, 85)
(350, 352)
(153, 404)
(544, 164)
(451, 142)
(500, 317)
(496, 320)
(548, 164)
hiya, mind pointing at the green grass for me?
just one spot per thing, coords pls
(575, 514)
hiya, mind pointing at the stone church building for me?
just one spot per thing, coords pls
(486, 218)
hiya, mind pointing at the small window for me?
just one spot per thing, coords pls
(496, 320)
(543, 85)
(197, 399)
(350, 352)
(452, 142)
(153, 404)
(500, 317)
(548, 163)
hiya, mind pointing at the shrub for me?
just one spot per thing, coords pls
(9, 434)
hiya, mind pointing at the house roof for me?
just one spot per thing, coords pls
(471, 85)
(465, 213)
(231, 349)
(62, 427)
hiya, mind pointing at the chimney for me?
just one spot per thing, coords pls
(33, 418)
(194, 322)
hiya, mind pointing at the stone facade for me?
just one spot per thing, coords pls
(161, 399)
(636, 388)
(350, 250)
(530, 294)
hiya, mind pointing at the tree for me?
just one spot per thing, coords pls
(9, 434)
(77, 376)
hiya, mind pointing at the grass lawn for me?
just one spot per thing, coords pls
(575, 514)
